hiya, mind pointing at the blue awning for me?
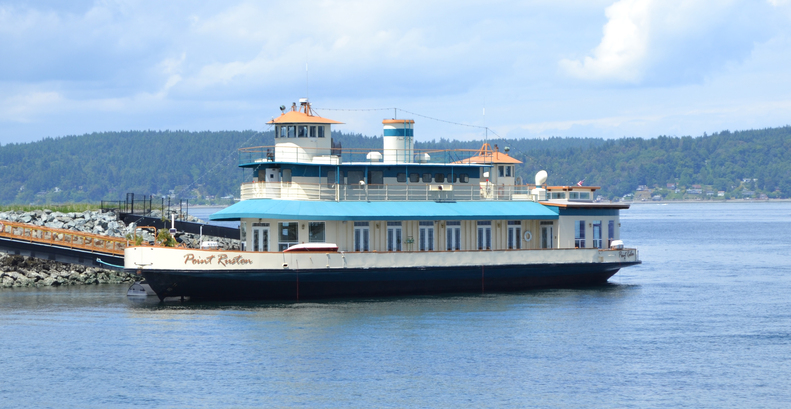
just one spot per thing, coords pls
(390, 210)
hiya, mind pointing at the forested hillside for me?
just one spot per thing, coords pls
(198, 164)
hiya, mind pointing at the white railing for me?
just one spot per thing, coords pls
(427, 192)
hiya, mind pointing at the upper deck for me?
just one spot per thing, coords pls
(306, 164)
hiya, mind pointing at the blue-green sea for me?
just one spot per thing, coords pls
(704, 322)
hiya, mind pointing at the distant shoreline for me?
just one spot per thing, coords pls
(707, 201)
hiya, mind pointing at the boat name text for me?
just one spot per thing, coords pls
(221, 259)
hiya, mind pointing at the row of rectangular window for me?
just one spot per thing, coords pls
(572, 195)
(288, 231)
(299, 131)
(376, 177)
(579, 233)
(436, 178)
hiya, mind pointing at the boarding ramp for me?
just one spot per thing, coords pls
(66, 246)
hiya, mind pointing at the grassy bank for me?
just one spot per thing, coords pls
(63, 207)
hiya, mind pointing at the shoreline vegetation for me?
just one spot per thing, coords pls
(104, 166)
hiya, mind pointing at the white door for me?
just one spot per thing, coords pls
(426, 238)
(514, 237)
(361, 238)
(394, 238)
(260, 238)
(453, 237)
(484, 237)
(546, 237)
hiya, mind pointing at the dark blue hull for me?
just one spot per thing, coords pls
(321, 284)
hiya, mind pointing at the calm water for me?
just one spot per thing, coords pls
(704, 322)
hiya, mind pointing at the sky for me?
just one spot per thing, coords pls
(524, 69)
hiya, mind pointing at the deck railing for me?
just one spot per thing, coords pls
(427, 192)
(63, 238)
(334, 156)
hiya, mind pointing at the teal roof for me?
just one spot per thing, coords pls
(391, 210)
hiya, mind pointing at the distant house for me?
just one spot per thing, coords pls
(763, 196)
(709, 193)
(747, 193)
(721, 193)
(694, 191)
(640, 188)
(697, 187)
(677, 190)
(671, 185)
(656, 198)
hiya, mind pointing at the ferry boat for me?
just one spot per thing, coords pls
(318, 220)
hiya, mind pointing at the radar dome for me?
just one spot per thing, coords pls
(541, 177)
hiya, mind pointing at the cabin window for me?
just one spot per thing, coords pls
(321, 131)
(302, 131)
(464, 178)
(508, 171)
(501, 170)
(375, 177)
(401, 177)
(574, 195)
(287, 235)
(439, 177)
(354, 177)
(514, 234)
(579, 234)
(286, 177)
(414, 178)
(585, 195)
(313, 131)
(283, 131)
(316, 232)
(453, 178)
(331, 179)
(558, 195)
(292, 131)
(427, 178)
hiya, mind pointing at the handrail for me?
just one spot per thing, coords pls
(296, 153)
(385, 192)
(62, 237)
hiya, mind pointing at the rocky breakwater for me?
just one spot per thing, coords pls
(94, 222)
(20, 271)
(107, 224)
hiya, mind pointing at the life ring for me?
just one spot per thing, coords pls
(528, 236)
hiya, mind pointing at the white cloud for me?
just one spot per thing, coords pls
(621, 55)
(663, 42)
(97, 65)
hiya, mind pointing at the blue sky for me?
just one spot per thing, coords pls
(541, 68)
